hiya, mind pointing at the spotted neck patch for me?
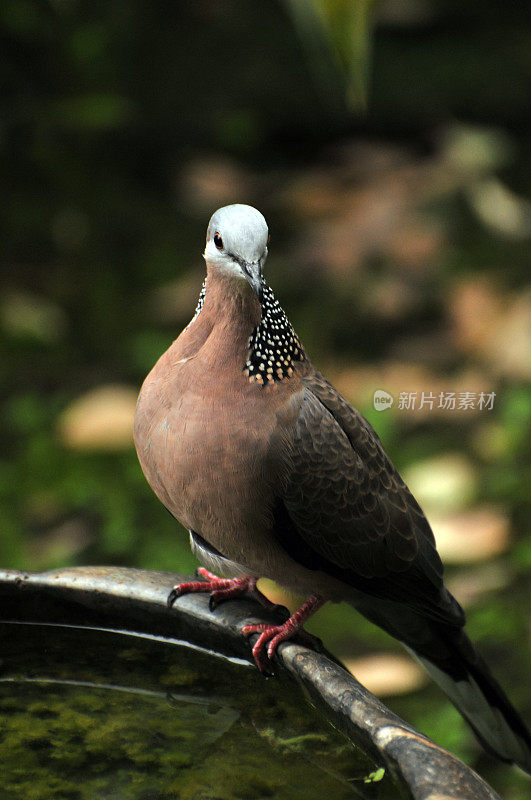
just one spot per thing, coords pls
(273, 345)
(200, 302)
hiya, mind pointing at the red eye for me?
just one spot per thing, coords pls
(218, 241)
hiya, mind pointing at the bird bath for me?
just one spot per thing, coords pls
(94, 714)
(106, 693)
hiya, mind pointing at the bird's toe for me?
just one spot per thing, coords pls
(172, 597)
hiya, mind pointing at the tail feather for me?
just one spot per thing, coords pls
(466, 679)
(451, 659)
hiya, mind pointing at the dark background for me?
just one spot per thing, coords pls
(400, 225)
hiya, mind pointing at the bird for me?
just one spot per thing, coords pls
(276, 475)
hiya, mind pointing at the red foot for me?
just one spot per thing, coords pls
(220, 589)
(274, 634)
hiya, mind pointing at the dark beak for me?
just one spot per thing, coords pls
(253, 273)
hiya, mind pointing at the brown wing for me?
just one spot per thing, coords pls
(348, 512)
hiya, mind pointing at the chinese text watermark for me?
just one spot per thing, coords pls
(447, 401)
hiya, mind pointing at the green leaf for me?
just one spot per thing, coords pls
(343, 28)
(375, 776)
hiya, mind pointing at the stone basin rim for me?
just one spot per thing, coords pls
(422, 768)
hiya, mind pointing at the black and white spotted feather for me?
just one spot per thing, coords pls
(274, 347)
(200, 301)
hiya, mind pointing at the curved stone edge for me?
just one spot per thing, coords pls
(137, 599)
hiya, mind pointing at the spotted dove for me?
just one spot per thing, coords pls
(276, 475)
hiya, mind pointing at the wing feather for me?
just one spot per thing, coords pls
(349, 512)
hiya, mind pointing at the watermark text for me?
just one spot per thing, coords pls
(428, 401)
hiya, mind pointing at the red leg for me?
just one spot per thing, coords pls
(219, 588)
(274, 634)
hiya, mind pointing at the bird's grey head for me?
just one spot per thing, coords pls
(236, 243)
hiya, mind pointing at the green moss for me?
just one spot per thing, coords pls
(94, 720)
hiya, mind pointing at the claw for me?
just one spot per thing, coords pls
(172, 597)
(275, 634)
(221, 589)
(214, 600)
(185, 588)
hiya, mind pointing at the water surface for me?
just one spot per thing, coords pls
(90, 715)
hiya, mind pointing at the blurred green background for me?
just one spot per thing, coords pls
(389, 147)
